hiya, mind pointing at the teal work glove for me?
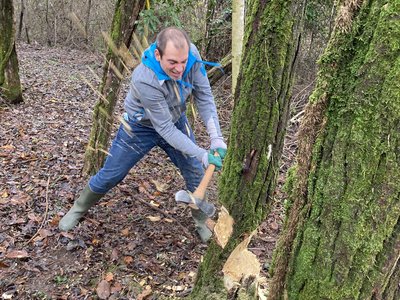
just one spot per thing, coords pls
(218, 144)
(210, 158)
(221, 152)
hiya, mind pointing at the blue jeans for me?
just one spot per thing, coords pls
(127, 149)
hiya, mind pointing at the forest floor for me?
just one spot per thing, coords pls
(136, 244)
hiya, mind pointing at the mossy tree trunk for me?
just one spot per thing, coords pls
(10, 85)
(342, 234)
(259, 120)
(122, 28)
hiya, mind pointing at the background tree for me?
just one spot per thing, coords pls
(237, 38)
(10, 85)
(258, 127)
(52, 17)
(87, 23)
(318, 20)
(218, 31)
(21, 19)
(342, 233)
(122, 29)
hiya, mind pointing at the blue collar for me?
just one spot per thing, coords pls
(149, 60)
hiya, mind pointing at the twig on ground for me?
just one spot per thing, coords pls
(45, 213)
(184, 229)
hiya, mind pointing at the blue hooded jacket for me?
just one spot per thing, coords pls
(155, 100)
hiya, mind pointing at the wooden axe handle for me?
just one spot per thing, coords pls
(200, 192)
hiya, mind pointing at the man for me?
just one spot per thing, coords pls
(155, 106)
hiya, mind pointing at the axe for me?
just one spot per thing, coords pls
(196, 199)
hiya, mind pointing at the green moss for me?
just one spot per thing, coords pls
(12, 93)
(352, 204)
(258, 125)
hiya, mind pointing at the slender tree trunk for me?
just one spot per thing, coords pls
(342, 233)
(28, 40)
(70, 25)
(55, 29)
(258, 126)
(214, 30)
(48, 27)
(209, 17)
(10, 85)
(237, 38)
(122, 28)
(21, 19)
(87, 24)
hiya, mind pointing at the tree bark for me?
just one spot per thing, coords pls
(214, 46)
(258, 126)
(48, 25)
(122, 28)
(87, 24)
(237, 38)
(342, 233)
(21, 19)
(10, 85)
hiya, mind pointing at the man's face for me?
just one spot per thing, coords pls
(174, 60)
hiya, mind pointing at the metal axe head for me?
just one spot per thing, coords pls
(188, 198)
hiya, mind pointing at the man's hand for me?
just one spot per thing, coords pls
(217, 144)
(210, 158)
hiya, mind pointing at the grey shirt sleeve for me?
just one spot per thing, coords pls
(204, 99)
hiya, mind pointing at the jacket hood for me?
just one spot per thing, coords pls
(150, 61)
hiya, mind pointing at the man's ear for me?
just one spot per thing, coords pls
(157, 54)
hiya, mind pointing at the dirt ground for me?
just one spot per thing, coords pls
(136, 244)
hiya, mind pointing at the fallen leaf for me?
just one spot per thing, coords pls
(7, 295)
(103, 289)
(96, 242)
(128, 259)
(7, 147)
(192, 274)
(125, 232)
(84, 291)
(161, 187)
(224, 228)
(17, 254)
(67, 235)
(154, 218)
(274, 226)
(3, 265)
(4, 194)
(168, 220)
(20, 199)
(55, 220)
(241, 263)
(45, 233)
(145, 293)
(155, 204)
(116, 287)
(114, 254)
(109, 277)
(142, 282)
(34, 217)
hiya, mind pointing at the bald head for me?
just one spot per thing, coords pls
(178, 37)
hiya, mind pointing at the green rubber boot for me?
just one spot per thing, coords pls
(200, 219)
(85, 201)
